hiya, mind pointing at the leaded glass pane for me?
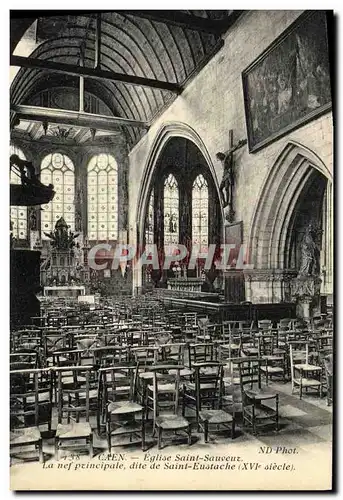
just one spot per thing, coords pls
(200, 211)
(171, 211)
(102, 189)
(149, 224)
(58, 169)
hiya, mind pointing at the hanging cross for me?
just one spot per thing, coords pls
(226, 186)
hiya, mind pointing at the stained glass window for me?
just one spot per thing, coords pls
(200, 211)
(171, 211)
(58, 169)
(18, 214)
(102, 182)
(149, 228)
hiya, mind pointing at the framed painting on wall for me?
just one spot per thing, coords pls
(289, 84)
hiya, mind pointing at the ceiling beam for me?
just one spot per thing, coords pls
(96, 73)
(76, 118)
(177, 18)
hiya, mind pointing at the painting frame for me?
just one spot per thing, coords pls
(260, 80)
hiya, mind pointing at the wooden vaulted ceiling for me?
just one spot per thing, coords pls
(166, 47)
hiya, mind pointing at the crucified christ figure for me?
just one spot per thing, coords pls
(227, 183)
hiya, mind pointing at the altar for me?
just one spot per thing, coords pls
(185, 284)
(64, 291)
(64, 274)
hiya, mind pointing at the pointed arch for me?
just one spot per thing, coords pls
(277, 200)
(166, 132)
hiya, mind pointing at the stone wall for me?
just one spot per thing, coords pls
(213, 103)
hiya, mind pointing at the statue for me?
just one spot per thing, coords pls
(310, 253)
(78, 221)
(227, 183)
(33, 219)
(62, 238)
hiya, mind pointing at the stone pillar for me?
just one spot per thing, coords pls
(306, 292)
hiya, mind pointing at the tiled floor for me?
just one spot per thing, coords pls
(302, 422)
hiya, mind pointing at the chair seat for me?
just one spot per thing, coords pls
(259, 394)
(191, 386)
(163, 388)
(272, 369)
(251, 351)
(185, 372)
(228, 381)
(307, 367)
(123, 407)
(69, 380)
(93, 394)
(74, 430)
(261, 411)
(230, 346)
(24, 435)
(130, 428)
(215, 416)
(172, 422)
(273, 357)
(307, 382)
(50, 359)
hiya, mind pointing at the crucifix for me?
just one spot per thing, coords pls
(228, 180)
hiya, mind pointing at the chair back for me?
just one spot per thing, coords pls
(166, 376)
(30, 397)
(249, 373)
(116, 383)
(201, 352)
(73, 387)
(265, 324)
(54, 342)
(31, 357)
(209, 383)
(111, 355)
(298, 354)
(190, 319)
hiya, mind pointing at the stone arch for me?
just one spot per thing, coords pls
(277, 200)
(165, 133)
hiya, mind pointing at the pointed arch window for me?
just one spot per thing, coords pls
(102, 189)
(171, 211)
(200, 211)
(18, 213)
(58, 169)
(149, 227)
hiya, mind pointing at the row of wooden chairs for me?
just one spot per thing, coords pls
(121, 411)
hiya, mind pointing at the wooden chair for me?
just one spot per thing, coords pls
(190, 320)
(116, 387)
(328, 373)
(205, 392)
(30, 357)
(162, 396)
(274, 359)
(200, 352)
(30, 407)
(55, 342)
(304, 374)
(260, 405)
(73, 392)
(211, 407)
(111, 355)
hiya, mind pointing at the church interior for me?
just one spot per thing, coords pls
(171, 232)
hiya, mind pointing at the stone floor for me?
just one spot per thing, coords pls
(305, 426)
